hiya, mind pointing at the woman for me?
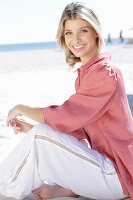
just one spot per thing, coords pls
(52, 150)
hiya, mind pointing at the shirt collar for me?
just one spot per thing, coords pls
(96, 59)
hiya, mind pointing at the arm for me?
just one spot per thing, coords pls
(35, 114)
(91, 101)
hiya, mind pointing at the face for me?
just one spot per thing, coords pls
(80, 38)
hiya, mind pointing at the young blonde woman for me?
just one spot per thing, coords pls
(52, 150)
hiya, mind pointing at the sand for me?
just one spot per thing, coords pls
(32, 198)
(41, 78)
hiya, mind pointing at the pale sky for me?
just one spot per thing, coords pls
(23, 21)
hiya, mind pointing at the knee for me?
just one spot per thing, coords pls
(44, 129)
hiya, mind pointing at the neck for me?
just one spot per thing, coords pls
(89, 56)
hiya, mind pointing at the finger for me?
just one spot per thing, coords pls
(37, 197)
(13, 123)
(12, 115)
(15, 120)
(36, 191)
(7, 122)
(17, 130)
(8, 118)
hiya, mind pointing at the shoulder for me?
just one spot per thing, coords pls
(100, 77)
(105, 70)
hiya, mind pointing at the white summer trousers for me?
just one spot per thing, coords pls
(46, 155)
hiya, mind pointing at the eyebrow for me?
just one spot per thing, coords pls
(79, 28)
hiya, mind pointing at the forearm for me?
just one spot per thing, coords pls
(33, 113)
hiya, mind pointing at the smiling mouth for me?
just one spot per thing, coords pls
(78, 47)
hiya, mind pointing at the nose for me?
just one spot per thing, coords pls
(76, 38)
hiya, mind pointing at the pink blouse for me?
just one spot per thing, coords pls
(99, 111)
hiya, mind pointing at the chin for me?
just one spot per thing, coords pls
(78, 55)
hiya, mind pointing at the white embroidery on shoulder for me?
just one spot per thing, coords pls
(112, 71)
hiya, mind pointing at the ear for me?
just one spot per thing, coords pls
(95, 34)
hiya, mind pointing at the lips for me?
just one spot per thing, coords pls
(79, 47)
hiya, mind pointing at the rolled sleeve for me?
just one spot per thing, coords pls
(89, 103)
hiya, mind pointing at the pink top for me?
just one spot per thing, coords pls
(99, 109)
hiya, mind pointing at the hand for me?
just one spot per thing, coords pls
(20, 126)
(13, 114)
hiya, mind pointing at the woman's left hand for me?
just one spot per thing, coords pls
(20, 126)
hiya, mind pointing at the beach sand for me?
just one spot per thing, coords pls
(41, 78)
(32, 198)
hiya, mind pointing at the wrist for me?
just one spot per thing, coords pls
(19, 109)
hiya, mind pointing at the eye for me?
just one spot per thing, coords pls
(84, 31)
(67, 33)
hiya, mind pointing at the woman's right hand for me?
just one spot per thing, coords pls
(21, 126)
(33, 113)
(12, 115)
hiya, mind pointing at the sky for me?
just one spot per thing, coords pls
(25, 21)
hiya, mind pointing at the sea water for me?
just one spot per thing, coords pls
(49, 45)
(28, 46)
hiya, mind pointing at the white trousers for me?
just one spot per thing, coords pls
(46, 155)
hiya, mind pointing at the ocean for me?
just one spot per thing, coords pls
(48, 45)
(28, 46)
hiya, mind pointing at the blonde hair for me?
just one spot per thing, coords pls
(78, 10)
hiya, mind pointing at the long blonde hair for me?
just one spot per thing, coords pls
(78, 10)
